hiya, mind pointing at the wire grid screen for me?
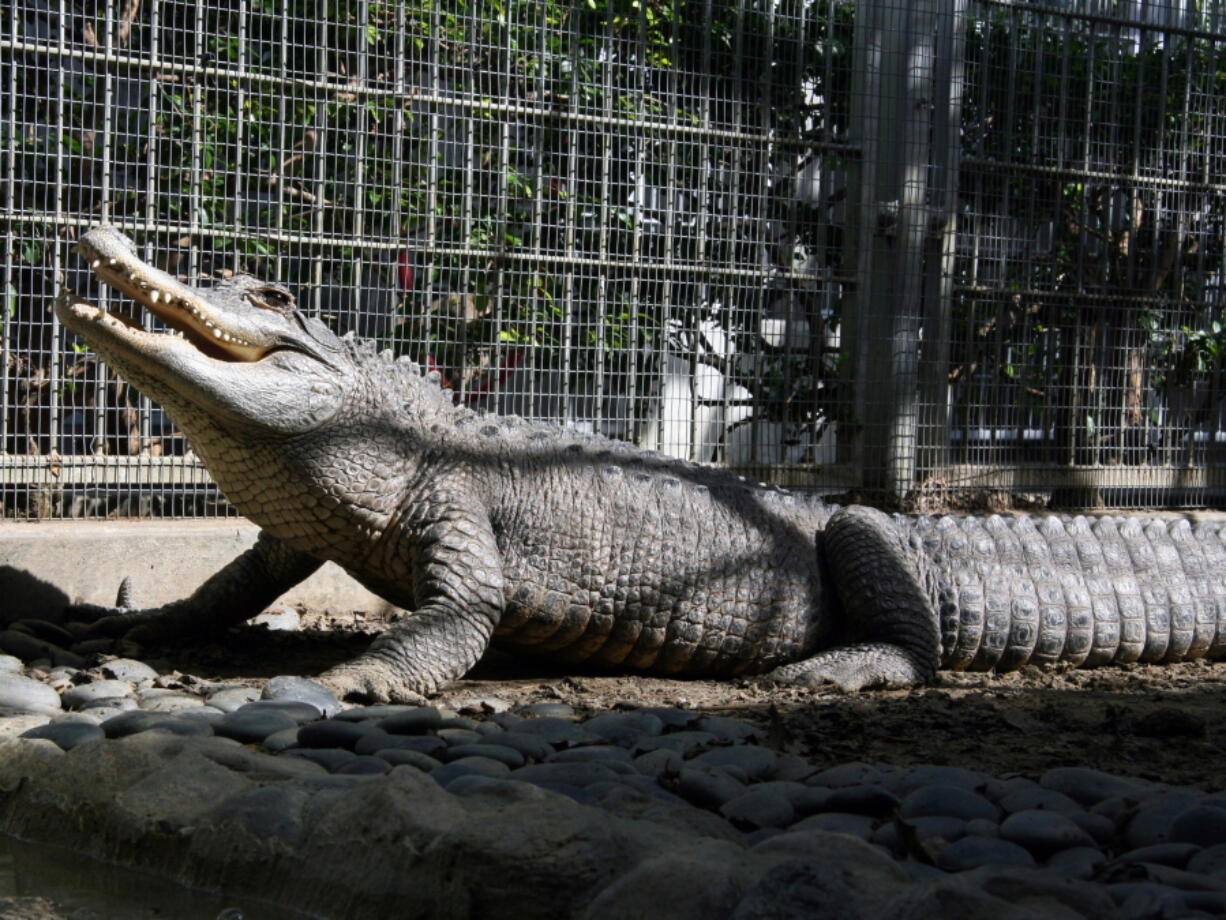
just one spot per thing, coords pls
(1087, 328)
(620, 217)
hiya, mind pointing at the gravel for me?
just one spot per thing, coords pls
(1143, 847)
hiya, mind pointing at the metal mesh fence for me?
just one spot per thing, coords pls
(1087, 282)
(612, 215)
(920, 249)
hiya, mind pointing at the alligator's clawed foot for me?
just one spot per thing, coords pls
(367, 683)
(142, 627)
(856, 667)
(92, 613)
(814, 678)
(92, 621)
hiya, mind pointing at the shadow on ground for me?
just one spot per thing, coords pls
(26, 595)
(1159, 722)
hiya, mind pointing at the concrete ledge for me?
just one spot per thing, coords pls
(45, 565)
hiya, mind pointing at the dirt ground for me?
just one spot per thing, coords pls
(1158, 722)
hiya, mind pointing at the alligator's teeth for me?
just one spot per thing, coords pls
(217, 333)
(94, 264)
(155, 295)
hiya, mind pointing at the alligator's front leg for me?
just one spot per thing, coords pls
(456, 572)
(239, 591)
(886, 587)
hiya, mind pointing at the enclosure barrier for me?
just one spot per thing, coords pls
(937, 253)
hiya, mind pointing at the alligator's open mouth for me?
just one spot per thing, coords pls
(188, 315)
(123, 326)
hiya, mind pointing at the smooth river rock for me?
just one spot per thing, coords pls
(26, 694)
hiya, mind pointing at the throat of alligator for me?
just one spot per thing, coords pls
(187, 319)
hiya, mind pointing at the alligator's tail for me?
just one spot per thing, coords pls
(984, 593)
(1021, 590)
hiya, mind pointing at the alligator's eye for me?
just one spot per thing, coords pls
(272, 298)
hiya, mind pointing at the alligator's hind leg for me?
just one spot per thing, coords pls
(886, 587)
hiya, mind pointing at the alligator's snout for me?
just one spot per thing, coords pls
(216, 321)
(105, 240)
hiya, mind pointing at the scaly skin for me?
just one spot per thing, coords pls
(534, 537)
(1000, 592)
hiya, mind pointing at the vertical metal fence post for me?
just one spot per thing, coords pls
(895, 97)
(861, 225)
(9, 132)
(933, 442)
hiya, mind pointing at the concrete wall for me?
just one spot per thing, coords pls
(45, 565)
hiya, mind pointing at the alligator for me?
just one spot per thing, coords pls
(548, 540)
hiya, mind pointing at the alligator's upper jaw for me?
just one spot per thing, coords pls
(111, 256)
